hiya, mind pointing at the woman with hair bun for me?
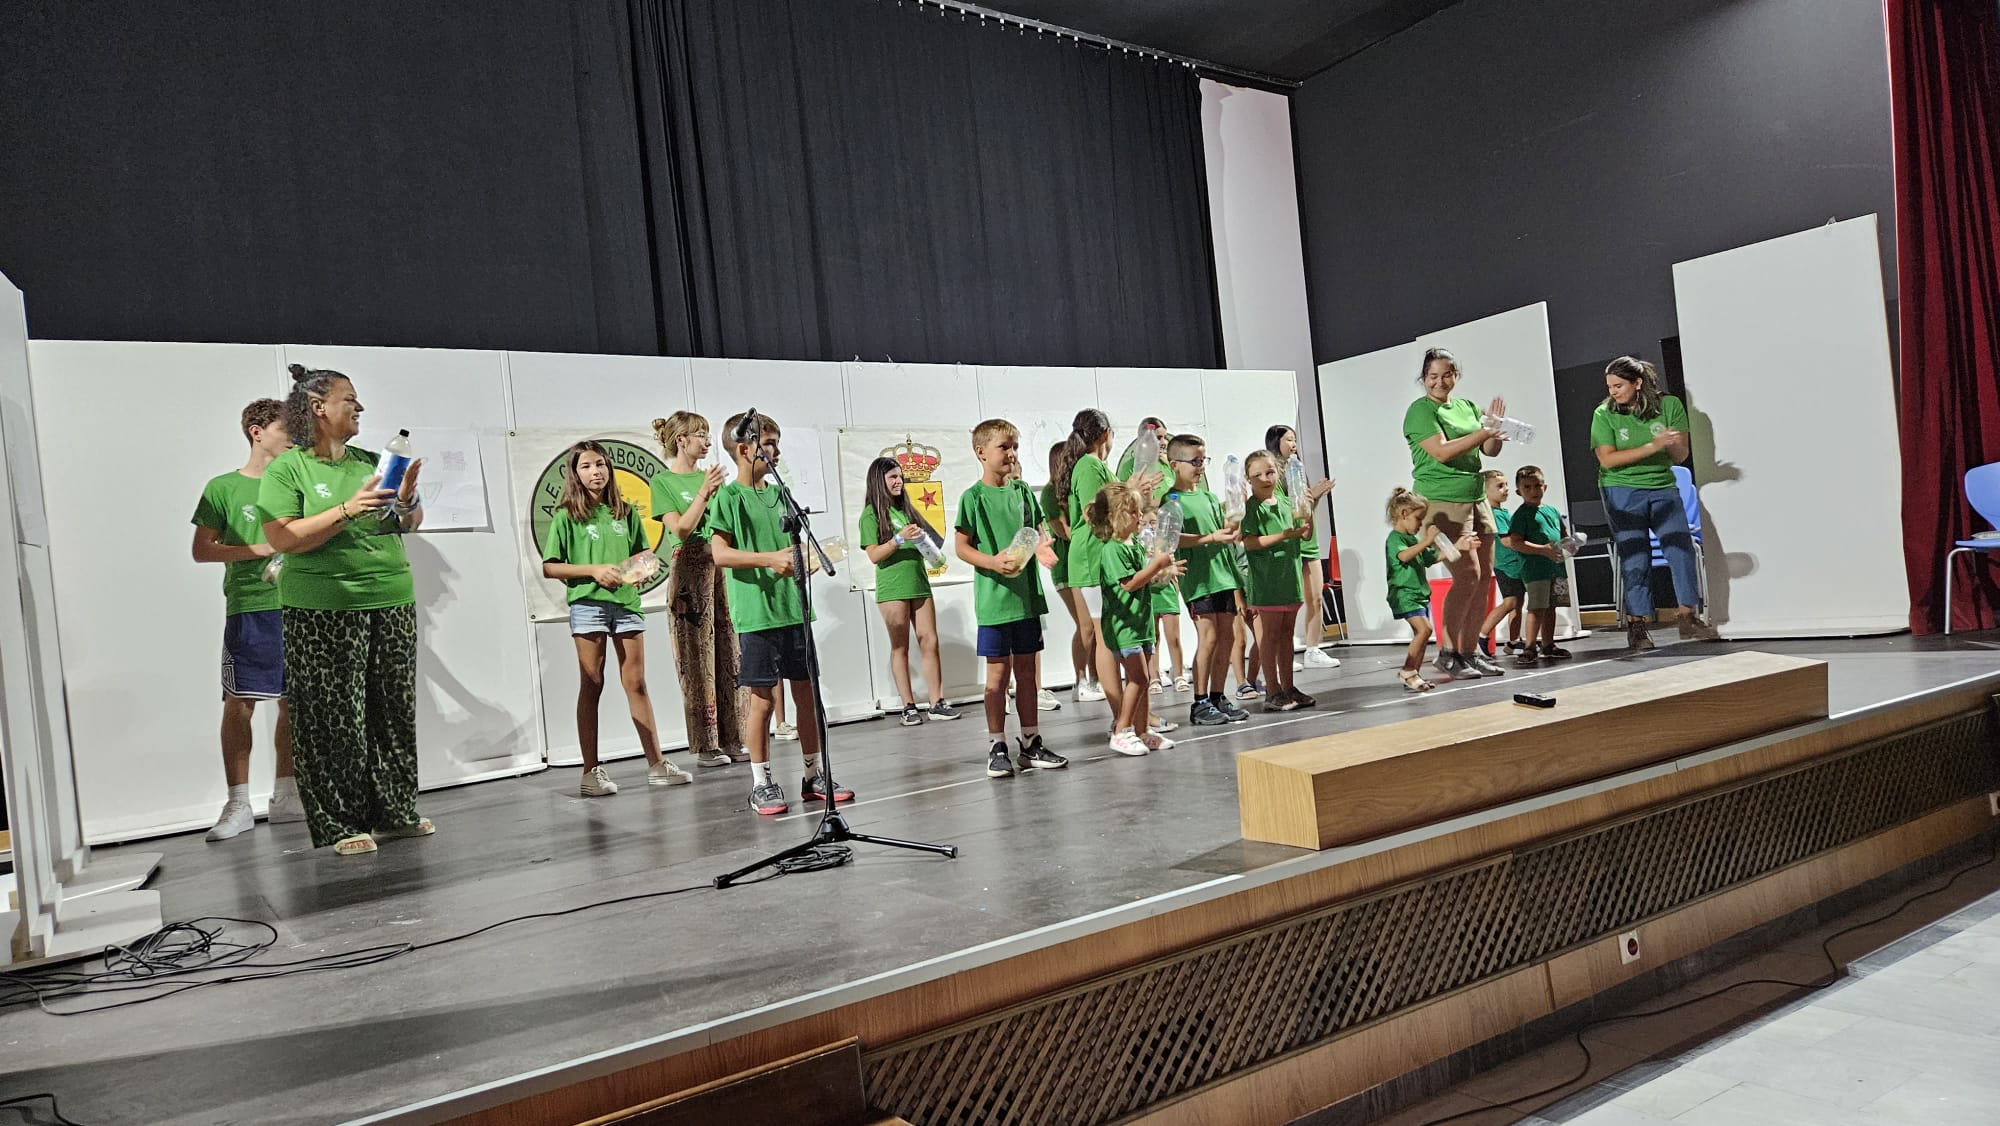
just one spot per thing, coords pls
(1639, 434)
(1447, 437)
(350, 619)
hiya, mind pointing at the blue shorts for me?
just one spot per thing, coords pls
(592, 616)
(253, 655)
(1135, 650)
(1423, 611)
(1012, 639)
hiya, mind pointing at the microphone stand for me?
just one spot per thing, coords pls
(832, 828)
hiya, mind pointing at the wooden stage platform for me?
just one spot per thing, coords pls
(1107, 946)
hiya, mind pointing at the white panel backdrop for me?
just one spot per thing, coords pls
(1765, 330)
(496, 691)
(1363, 399)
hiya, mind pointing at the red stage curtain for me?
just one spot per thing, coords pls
(1944, 79)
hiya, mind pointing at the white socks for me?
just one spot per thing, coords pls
(284, 786)
(240, 793)
(812, 766)
(760, 773)
(1029, 734)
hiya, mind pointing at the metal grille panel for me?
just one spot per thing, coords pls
(1111, 1047)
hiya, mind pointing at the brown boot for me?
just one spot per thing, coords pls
(1636, 635)
(1694, 629)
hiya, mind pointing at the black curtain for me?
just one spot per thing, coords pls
(810, 179)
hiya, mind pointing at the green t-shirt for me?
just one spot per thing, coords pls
(990, 516)
(1128, 616)
(228, 504)
(1086, 479)
(1537, 523)
(602, 539)
(675, 493)
(1456, 481)
(363, 566)
(1308, 547)
(1209, 568)
(1274, 571)
(1409, 587)
(1628, 432)
(902, 576)
(1506, 560)
(1059, 573)
(759, 598)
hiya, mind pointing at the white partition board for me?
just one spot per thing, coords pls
(142, 622)
(1363, 400)
(476, 713)
(598, 394)
(1765, 328)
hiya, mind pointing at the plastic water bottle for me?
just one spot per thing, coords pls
(1512, 429)
(1235, 489)
(1146, 451)
(1296, 487)
(1170, 525)
(640, 568)
(933, 562)
(273, 568)
(1023, 544)
(397, 462)
(1447, 550)
(1571, 543)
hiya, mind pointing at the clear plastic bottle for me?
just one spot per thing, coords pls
(1296, 487)
(639, 569)
(1512, 429)
(1447, 549)
(272, 569)
(1023, 545)
(1146, 451)
(397, 460)
(1170, 525)
(933, 561)
(1572, 542)
(1235, 489)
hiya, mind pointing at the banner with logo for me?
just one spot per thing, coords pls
(937, 465)
(536, 461)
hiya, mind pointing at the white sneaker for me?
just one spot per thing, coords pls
(1298, 664)
(664, 773)
(1317, 658)
(1126, 743)
(236, 818)
(1046, 701)
(286, 808)
(1010, 690)
(1155, 741)
(785, 733)
(708, 760)
(1088, 691)
(597, 784)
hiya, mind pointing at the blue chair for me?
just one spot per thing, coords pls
(1691, 504)
(1982, 488)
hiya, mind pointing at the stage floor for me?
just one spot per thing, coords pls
(1035, 851)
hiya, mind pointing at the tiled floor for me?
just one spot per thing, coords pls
(1909, 1037)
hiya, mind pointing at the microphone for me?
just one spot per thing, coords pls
(749, 430)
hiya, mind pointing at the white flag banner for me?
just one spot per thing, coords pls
(937, 465)
(536, 460)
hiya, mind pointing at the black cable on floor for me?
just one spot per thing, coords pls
(1834, 973)
(20, 1103)
(180, 957)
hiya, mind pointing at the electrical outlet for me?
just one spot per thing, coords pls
(1628, 948)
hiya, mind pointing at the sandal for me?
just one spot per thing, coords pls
(360, 844)
(1414, 681)
(421, 827)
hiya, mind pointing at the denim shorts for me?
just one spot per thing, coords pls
(1135, 650)
(592, 616)
(253, 655)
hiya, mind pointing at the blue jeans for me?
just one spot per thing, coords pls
(1634, 512)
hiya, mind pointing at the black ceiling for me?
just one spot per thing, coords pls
(1290, 40)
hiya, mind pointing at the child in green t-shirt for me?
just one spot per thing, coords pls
(1409, 553)
(1126, 572)
(1506, 575)
(751, 542)
(1533, 531)
(229, 530)
(1209, 583)
(890, 528)
(593, 547)
(1006, 594)
(1271, 538)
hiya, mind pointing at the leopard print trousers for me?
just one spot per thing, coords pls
(705, 653)
(351, 678)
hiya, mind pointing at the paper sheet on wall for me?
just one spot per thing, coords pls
(937, 467)
(452, 482)
(536, 459)
(799, 464)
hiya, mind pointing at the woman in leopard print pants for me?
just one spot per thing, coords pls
(350, 620)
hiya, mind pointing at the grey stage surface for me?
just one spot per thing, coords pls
(1035, 851)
